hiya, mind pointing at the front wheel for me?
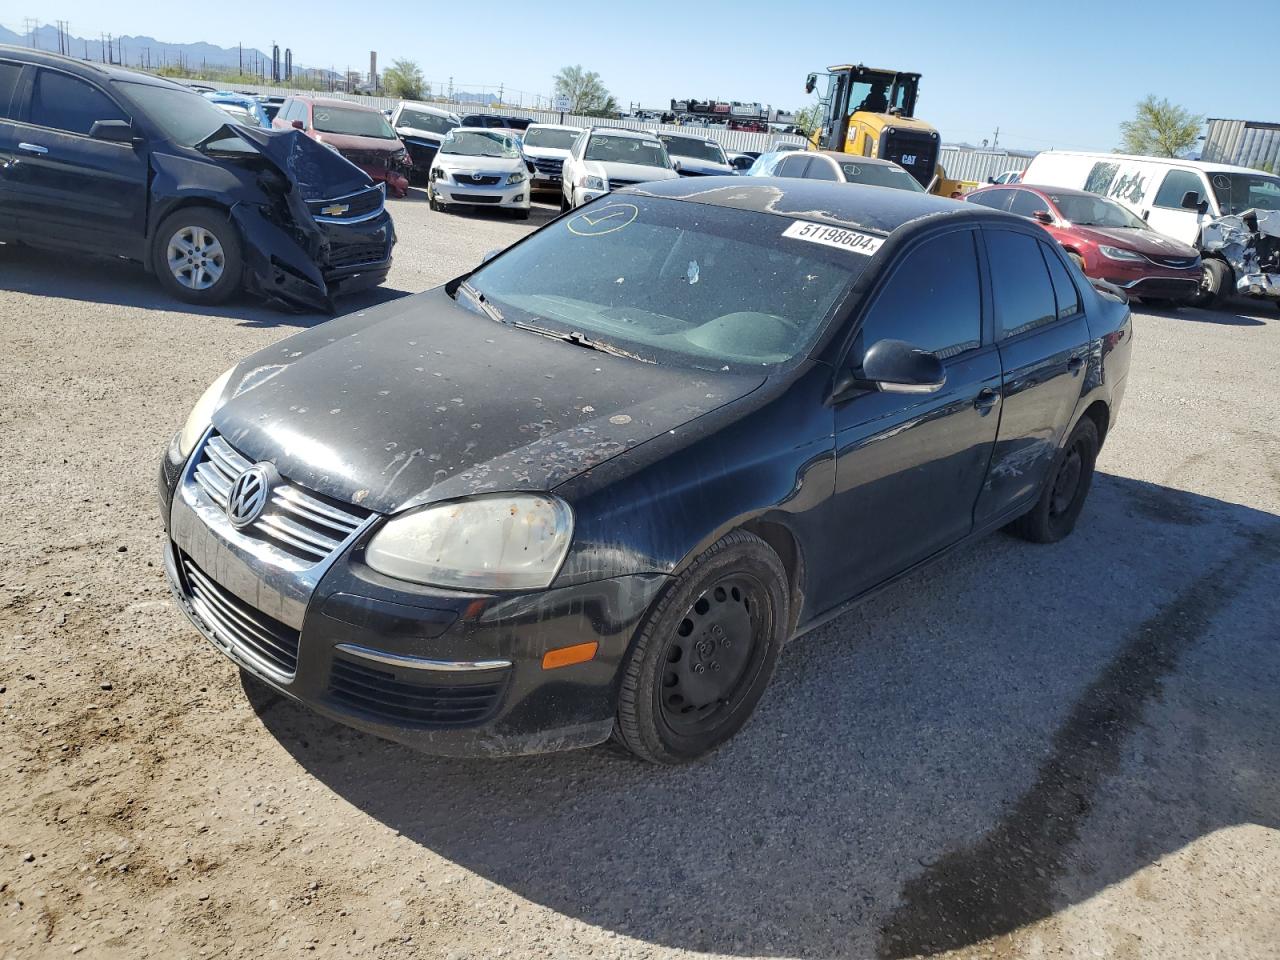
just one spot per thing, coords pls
(705, 653)
(1213, 283)
(196, 255)
(1065, 488)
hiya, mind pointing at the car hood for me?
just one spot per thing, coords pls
(456, 161)
(345, 141)
(628, 171)
(546, 153)
(422, 400)
(1146, 242)
(436, 138)
(317, 171)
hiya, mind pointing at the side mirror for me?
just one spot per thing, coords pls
(1042, 216)
(675, 165)
(991, 179)
(742, 163)
(893, 366)
(113, 131)
(1191, 200)
(298, 125)
(529, 165)
(489, 255)
(1202, 207)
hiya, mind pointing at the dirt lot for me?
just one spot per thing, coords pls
(1028, 751)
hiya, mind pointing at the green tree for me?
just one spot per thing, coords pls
(809, 118)
(1160, 129)
(404, 79)
(587, 93)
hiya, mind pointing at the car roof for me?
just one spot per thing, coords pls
(838, 155)
(85, 68)
(1204, 165)
(555, 126)
(853, 205)
(492, 131)
(336, 102)
(419, 105)
(623, 132)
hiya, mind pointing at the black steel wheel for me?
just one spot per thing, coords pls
(1065, 489)
(705, 653)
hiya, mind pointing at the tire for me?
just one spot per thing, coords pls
(1077, 260)
(197, 256)
(705, 653)
(523, 214)
(565, 205)
(1216, 275)
(1065, 488)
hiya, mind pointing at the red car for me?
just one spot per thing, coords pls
(1105, 240)
(361, 134)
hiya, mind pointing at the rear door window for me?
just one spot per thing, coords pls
(1020, 283)
(64, 102)
(9, 74)
(1064, 290)
(793, 166)
(821, 169)
(995, 199)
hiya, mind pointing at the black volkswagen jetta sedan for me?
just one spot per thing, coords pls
(592, 487)
(102, 160)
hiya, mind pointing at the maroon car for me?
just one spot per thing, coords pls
(1106, 240)
(361, 134)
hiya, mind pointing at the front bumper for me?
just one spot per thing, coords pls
(1259, 285)
(439, 670)
(483, 195)
(1163, 288)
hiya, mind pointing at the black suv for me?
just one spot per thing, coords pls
(496, 121)
(108, 161)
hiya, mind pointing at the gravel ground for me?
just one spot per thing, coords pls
(1026, 751)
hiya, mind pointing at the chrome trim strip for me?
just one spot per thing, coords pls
(360, 219)
(420, 663)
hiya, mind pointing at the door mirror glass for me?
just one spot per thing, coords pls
(1191, 200)
(299, 125)
(114, 131)
(530, 167)
(894, 366)
(1043, 216)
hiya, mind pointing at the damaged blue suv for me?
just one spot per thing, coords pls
(102, 160)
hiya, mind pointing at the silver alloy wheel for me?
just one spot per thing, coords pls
(195, 258)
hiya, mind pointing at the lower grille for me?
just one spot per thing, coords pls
(475, 198)
(381, 695)
(357, 254)
(237, 626)
(303, 524)
(484, 180)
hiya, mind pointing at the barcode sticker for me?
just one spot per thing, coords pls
(863, 243)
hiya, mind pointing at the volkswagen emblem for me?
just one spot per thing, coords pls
(248, 495)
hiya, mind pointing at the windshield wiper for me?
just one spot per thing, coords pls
(579, 339)
(489, 310)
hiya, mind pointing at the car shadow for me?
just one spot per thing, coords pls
(125, 283)
(1231, 313)
(916, 779)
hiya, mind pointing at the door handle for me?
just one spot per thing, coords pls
(33, 148)
(985, 400)
(1074, 365)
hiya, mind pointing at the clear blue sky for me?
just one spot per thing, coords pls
(1060, 75)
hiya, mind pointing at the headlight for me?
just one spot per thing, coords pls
(1115, 253)
(495, 542)
(202, 414)
(593, 183)
(516, 177)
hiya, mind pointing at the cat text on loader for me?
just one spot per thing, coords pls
(871, 113)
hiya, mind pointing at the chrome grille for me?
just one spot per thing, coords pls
(1178, 263)
(303, 524)
(352, 208)
(238, 627)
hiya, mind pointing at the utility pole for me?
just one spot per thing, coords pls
(30, 26)
(995, 141)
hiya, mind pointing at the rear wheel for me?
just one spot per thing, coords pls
(705, 654)
(1065, 488)
(1213, 283)
(196, 255)
(565, 205)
